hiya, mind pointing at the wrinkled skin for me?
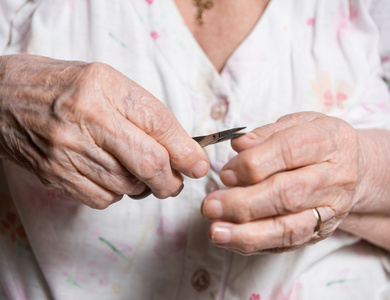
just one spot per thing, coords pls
(95, 135)
(281, 172)
(90, 132)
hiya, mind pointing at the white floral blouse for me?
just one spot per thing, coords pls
(327, 56)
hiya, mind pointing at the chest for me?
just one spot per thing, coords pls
(220, 26)
(282, 58)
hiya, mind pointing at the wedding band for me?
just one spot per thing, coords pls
(319, 222)
(143, 195)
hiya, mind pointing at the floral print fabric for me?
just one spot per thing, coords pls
(320, 55)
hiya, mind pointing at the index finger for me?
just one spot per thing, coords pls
(156, 120)
(260, 134)
(294, 147)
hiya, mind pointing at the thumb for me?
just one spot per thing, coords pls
(260, 134)
(155, 119)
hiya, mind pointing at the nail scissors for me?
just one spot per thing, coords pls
(203, 141)
(217, 137)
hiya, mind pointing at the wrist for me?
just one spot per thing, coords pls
(372, 189)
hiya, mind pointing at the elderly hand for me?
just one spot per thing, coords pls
(283, 171)
(90, 132)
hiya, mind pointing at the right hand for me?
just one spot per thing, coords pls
(90, 132)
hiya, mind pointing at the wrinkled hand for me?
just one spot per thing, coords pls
(90, 132)
(281, 172)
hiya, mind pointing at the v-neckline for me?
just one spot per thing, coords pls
(165, 24)
(179, 16)
(195, 27)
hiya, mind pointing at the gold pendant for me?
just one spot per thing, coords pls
(202, 5)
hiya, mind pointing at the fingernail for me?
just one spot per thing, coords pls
(221, 235)
(200, 169)
(251, 135)
(229, 177)
(212, 209)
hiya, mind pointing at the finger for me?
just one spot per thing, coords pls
(260, 134)
(294, 147)
(78, 187)
(140, 154)
(282, 193)
(105, 170)
(290, 231)
(154, 118)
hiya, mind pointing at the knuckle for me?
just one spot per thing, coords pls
(291, 193)
(134, 186)
(248, 242)
(281, 226)
(154, 164)
(105, 200)
(154, 117)
(97, 69)
(100, 205)
(292, 233)
(61, 138)
(240, 211)
(247, 249)
(185, 153)
(80, 101)
(289, 147)
(164, 125)
(251, 164)
(163, 194)
(174, 189)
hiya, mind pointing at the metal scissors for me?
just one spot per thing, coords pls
(218, 137)
(203, 141)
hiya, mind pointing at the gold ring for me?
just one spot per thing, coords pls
(319, 222)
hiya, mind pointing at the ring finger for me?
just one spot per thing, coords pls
(281, 232)
(282, 193)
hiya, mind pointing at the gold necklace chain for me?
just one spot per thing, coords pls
(202, 5)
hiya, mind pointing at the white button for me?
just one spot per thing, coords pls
(201, 280)
(219, 110)
(211, 186)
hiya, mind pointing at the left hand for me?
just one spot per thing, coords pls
(282, 171)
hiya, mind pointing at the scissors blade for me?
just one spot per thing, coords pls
(217, 137)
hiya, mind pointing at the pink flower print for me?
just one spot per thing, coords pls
(340, 97)
(328, 96)
(255, 297)
(332, 94)
(170, 239)
(347, 14)
(310, 22)
(154, 35)
(42, 197)
(150, 2)
(293, 294)
(10, 225)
